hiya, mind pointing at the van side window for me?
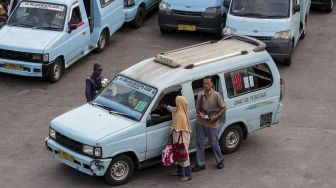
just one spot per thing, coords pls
(197, 85)
(104, 3)
(167, 99)
(247, 80)
(75, 16)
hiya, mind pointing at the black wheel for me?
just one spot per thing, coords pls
(164, 31)
(139, 17)
(288, 61)
(102, 41)
(330, 6)
(55, 71)
(231, 139)
(120, 170)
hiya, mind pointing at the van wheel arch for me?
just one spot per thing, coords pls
(50, 75)
(232, 137)
(120, 169)
(140, 16)
(105, 33)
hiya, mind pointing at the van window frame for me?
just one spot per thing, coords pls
(103, 4)
(250, 91)
(163, 93)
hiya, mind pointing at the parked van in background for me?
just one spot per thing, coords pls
(136, 10)
(279, 24)
(196, 15)
(124, 128)
(42, 38)
(328, 5)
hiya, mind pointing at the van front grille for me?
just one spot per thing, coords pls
(187, 13)
(69, 143)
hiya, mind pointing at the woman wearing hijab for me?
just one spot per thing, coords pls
(181, 125)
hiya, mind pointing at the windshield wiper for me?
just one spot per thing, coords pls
(276, 16)
(112, 111)
(47, 28)
(256, 15)
(21, 25)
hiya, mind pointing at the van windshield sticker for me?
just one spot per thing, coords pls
(141, 106)
(42, 6)
(149, 91)
(237, 82)
(251, 81)
(60, 15)
(246, 82)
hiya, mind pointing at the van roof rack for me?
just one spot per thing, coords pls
(209, 54)
(260, 45)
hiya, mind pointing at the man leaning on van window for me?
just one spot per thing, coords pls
(210, 108)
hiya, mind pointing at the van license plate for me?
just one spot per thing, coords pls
(13, 66)
(186, 27)
(66, 156)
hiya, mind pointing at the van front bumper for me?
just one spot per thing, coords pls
(130, 13)
(278, 49)
(87, 165)
(28, 68)
(172, 20)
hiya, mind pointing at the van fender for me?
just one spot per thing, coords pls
(96, 34)
(131, 153)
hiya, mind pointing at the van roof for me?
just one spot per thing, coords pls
(194, 62)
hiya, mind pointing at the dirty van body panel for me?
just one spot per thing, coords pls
(193, 13)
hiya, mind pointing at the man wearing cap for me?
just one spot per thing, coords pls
(94, 82)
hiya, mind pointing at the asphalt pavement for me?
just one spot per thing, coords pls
(298, 152)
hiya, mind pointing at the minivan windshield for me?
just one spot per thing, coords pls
(261, 8)
(38, 15)
(126, 97)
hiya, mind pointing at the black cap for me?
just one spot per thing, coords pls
(97, 66)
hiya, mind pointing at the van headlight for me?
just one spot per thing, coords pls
(229, 31)
(92, 151)
(52, 133)
(165, 7)
(129, 3)
(283, 35)
(40, 57)
(211, 12)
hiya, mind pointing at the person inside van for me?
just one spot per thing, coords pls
(210, 107)
(4, 4)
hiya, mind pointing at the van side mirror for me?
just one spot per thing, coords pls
(227, 3)
(155, 118)
(296, 9)
(72, 27)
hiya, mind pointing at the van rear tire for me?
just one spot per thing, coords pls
(330, 6)
(139, 17)
(102, 41)
(231, 139)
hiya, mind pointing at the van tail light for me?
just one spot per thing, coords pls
(282, 89)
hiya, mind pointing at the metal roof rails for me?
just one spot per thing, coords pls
(164, 59)
(190, 66)
(260, 45)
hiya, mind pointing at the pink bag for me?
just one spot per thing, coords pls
(167, 155)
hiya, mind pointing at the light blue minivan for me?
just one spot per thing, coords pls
(42, 38)
(279, 24)
(136, 10)
(124, 129)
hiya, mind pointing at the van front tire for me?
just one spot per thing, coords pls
(231, 139)
(139, 17)
(120, 170)
(55, 71)
(330, 6)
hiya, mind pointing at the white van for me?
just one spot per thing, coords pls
(130, 129)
